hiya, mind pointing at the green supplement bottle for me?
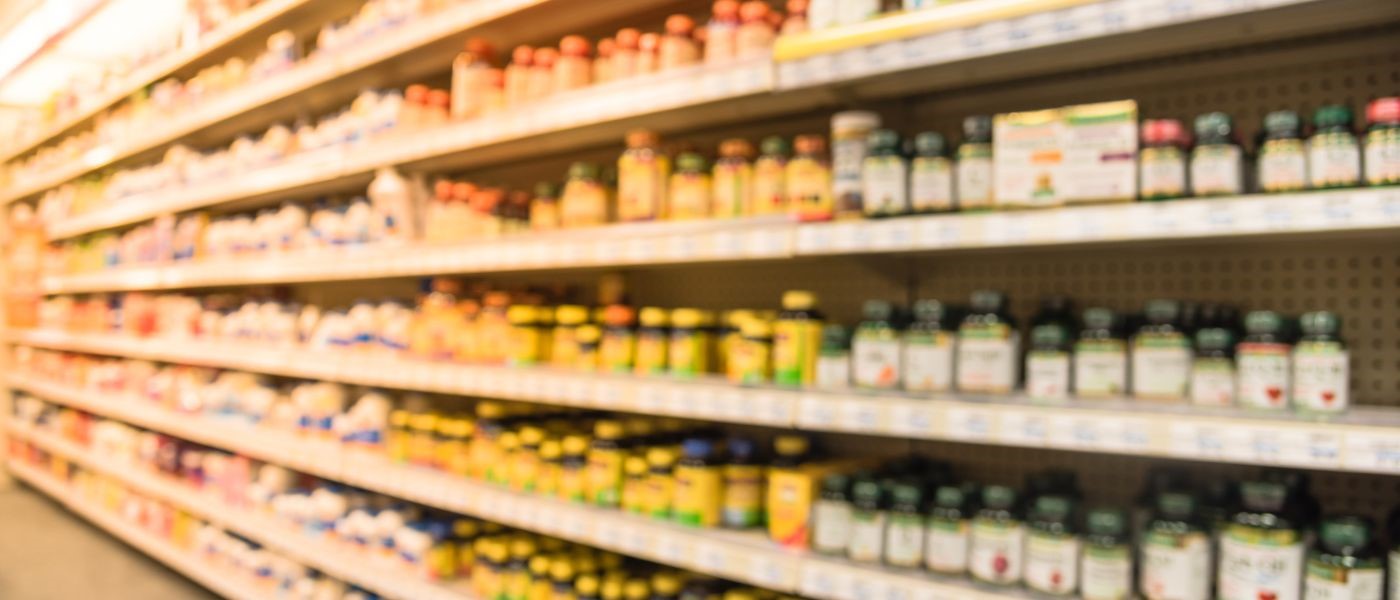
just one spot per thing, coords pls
(1048, 363)
(1321, 365)
(931, 175)
(884, 175)
(1052, 546)
(1175, 551)
(904, 539)
(831, 515)
(1217, 161)
(869, 516)
(928, 349)
(1213, 369)
(1383, 149)
(1161, 356)
(1345, 563)
(974, 167)
(1106, 565)
(1262, 549)
(1263, 360)
(1334, 153)
(1162, 160)
(875, 348)
(1100, 356)
(989, 345)
(949, 528)
(834, 359)
(997, 540)
(1283, 158)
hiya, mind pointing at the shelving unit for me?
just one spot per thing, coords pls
(1287, 252)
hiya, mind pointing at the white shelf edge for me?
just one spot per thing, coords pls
(1244, 217)
(336, 560)
(1362, 440)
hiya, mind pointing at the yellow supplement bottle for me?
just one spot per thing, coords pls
(509, 445)
(573, 469)
(540, 585)
(661, 481)
(699, 485)
(730, 334)
(691, 342)
(797, 336)
(665, 585)
(561, 578)
(618, 348)
(642, 174)
(517, 585)
(636, 589)
(422, 443)
(809, 180)
(652, 337)
(397, 444)
(605, 459)
(466, 531)
(732, 179)
(551, 457)
(526, 340)
(634, 486)
(588, 342)
(753, 355)
(586, 587)
(690, 189)
(611, 589)
(453, 442)
(525, 472)
(485, 449)
(563, 346)
(742, 505)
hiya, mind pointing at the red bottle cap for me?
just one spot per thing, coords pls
(462, 191)
(605, 47)
(1158, 131)
(649, 42)
(574, 45)
(438, 98)
(545, 57)
(415, 93)
(522, 56)
(1383, 110)
(797, 7)
(442, 190)
(753, 11)
(627, 39)
(481, 49)
(725, 9)
(679, 25)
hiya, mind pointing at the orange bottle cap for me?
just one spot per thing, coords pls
(605, 47)
(628, 38)
(442, 189)
(415, 93)
(522, 55)
(649, 42)
(809, 144)
(462, 191)
(725, 9)
(574, 45)
(642, 138)
(496, 78)
(753, 10)
(439, 98)
(679, 25)
(481, 49)
(545, 57)
(797, 7)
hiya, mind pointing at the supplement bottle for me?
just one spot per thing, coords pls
(728, 336)
(526, 339)
(665, 586)
(1100, 356)
(1345, 563)
(573, 469)
(642, 172)
(618, 348)
(869, 516)
(1106, 565)
(949, 526)
(834, 359)
(832, 515)
(699, 485)
(1283, 158)
(721, 32)
(574, 68)
(586, 587)
(588, 340)
(691, 342)
(904, 539)
(634, 487)
(584, 201)
(733, 179)
(928, 348)
(1263, 362)
(743, 486)
(1217, 162)
(931, 175)
(850, 139)
(1048, 363)
(1175, 551)
(1161, 356)
(1334, 154)
(1213, 369)
(752, 355)
(1052, 546)
(563, 345)
(757, 32)
(875, 348)
(796, 339)
(561, 578)
(988, 346)
(690, 189)
(885, 176)
(678, 47)
(1393, 557)
(1262, 548)
(525, 475)
(768, 193)
(807, 179)
(605, 457)
(551, 465)
(653, 341)
(996, 544)
(1383, 145)
(1162, 160)
(1321, 373)
(974, 166)
(661, 482)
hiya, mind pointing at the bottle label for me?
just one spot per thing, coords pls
(831, 526)
(795, 345)
(1161, 366)
(877, 363)
(809, 190)
(928, 362)
(1216, 170)
(1334, 159)
(1047, 375)
(690, 197)
(1383, 157)
(1260, 564)
(743, 495)
(995, 552)
(698, 496)
(1176, 567)
(947, 543)
(847, 158)
(1100, 368)
(651, 352)
(1052, 563)
(1263, 375)
(974, 176)
(1106, 573)
(687, 355)
(732, 183)
(1213, 382)
(769, 194)
(1162, 173)
(641, 185)
(931, 184)
(1331, 582)
(986, 358)
(867, 536)
(904, 542)
(1283, 165)
(884, 186)
(1321, 377)
(833, 372)
(583, 204)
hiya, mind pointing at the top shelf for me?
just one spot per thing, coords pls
(988, 40)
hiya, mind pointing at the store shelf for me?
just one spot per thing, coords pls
(333, 559)
(225, 584)
(260, 19)
(1362, 440)
(741, 556)
(1320, 214)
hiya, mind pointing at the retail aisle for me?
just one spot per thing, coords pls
(48, 554)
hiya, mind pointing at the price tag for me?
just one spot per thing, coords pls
(651, 398)
(870, 586)
(711, 559)
(1375, 452)
(814, 239)
(607, 394)
(850, 236)
(860, 414)
(726, 244)
(574, 525)
(767, 242)
(1022, 428)
(886, 57)
(1075, 432)
(894, 234)
(1310, 449)
(775, 408)
(579, 390)
(826, 581)
(672, 549)
(969, 423)
(728, 403)
(1274, 216)
(682, 247)
(913, 419)
(817, 412)
(644, 249)
(766, 571)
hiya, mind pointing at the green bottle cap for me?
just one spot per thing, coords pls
(546, 189)
(1283, 124)
(988, 301)
(1106, 521)
(1052, 481)
(1052, 507)
(949, 496)
(1345, 534)
(1162, 312)
(1214, 338)
(930, 143)
(1333, 115)
(1263, 321)
(1176, 505)
(1099, 318)
(868, 491)
(1320, 323)
(930, 311)
(774, 145)
(883, 139)
(1214, 126)
(835, 337)
(908, 494)
(977, 128)
(1263, 496)
(1049, 335)
(877, 310)
(836, 483)
(998, 496)
(691, 162)
(583, 170)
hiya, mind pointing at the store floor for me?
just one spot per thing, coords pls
(47, 553)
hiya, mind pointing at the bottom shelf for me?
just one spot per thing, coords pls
(223, 583)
